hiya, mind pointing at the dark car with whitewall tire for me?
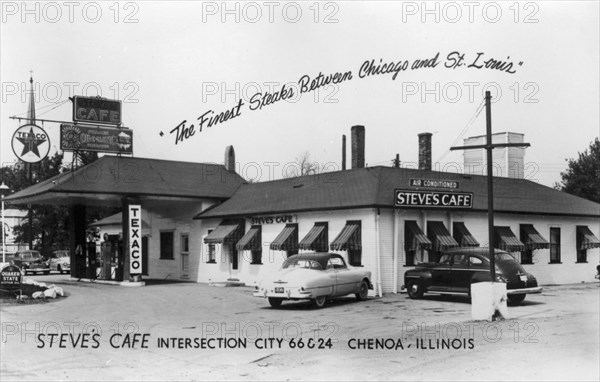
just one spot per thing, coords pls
(31, 261)
(458, 268)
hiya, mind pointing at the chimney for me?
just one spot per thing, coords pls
(229, 158)
(343, 152)
(425, 151)
(358, 146)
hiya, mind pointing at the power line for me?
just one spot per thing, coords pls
(466, 128)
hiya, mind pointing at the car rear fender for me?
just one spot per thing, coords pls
(422, 275)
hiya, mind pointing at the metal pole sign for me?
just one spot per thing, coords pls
(30, 143)
(135, 239)
(96, 110)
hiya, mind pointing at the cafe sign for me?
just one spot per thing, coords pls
(96, 110)
(104, 139)
(434, 199)
(256, 220)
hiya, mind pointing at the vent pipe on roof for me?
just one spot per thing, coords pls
(229, 158)
(343, 152)
(425, 151)
(358, 146)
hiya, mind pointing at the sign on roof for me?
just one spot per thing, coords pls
(433, 183)
(104, 139)
(438, 199)
(96, 110)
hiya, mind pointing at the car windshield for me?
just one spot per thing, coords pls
(301, 263)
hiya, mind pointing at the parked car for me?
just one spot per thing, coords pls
(60, 261)
(31, 261)
(316, 277)
(458, 268)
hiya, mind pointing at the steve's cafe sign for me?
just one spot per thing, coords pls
(441, 199)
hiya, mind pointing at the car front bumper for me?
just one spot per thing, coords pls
(524, 290)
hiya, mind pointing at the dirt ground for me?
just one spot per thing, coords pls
(185, 331)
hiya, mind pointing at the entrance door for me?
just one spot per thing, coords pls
(185, 258)
(145, 255)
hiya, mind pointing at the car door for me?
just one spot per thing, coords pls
(345, 282)
(440, 273)
(460, 273)
(331, 273)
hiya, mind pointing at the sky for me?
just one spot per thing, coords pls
(170, 62)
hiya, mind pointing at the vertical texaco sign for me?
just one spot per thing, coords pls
(135, 239)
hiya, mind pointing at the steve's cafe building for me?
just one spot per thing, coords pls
(202, 222)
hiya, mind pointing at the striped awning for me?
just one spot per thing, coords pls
(287, 240)
(348, 239)
(586, 238)
(251, 240)
(315, 239)
(439, 235)
(225, 233)
(507, 241)
(415, 238)
(463, 237)
(532, 238)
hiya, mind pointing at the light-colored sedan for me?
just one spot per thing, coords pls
(60, 261)
(315, 277)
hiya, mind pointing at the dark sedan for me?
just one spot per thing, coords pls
(458, 268)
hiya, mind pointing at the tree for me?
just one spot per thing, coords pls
(582, 177)
(302, 165)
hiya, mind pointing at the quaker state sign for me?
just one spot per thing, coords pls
(30, 143)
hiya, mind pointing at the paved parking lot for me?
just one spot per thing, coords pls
(186, 331)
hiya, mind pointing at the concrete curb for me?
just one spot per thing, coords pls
(110, 282)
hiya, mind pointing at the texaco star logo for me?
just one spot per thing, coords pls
(30, 143)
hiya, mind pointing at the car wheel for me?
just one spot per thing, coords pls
(46, 272)
(319, 302)
(59, 269)
(415, 290)
(363, 292)
(275, 302)
(516, 298)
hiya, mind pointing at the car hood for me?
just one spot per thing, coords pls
(293, 276)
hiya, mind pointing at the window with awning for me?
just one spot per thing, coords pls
(225, 233)
(287, 240)
(506, 240)
(316, 239)
(462, 235)
(532, 239)
(439, 235)
(414, 238)
(349, 239)
(251, 241)
(586, 238)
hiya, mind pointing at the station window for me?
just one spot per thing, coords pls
(211, 251)
(166, 245)
(554, 245)
(410, 257)
(527, 256)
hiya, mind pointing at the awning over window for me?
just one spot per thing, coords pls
(251, 241)
(532, 238)
(315, 239)
(440, 236)
(287, 240)
(224, 233)
(507, 241)
(348, 239)
(586, 238)
(414, 237)
(463, 237)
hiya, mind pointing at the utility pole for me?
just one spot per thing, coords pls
(489, 146)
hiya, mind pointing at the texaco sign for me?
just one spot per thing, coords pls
(30, 143)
